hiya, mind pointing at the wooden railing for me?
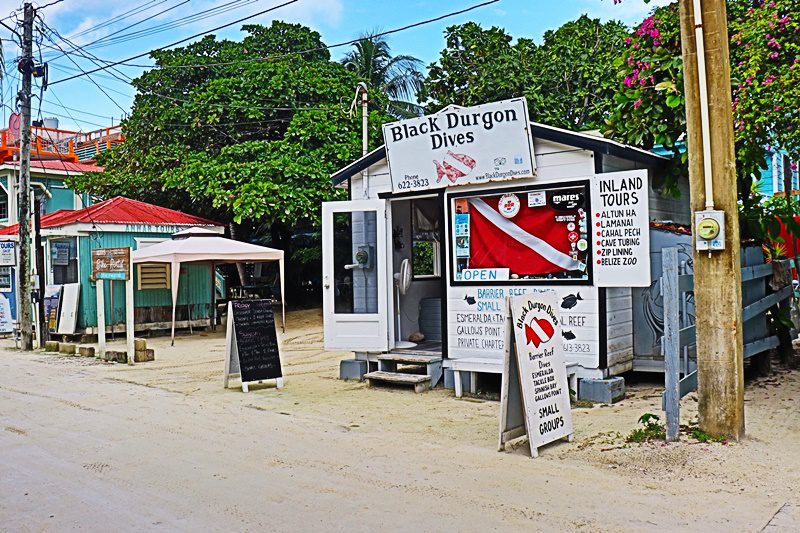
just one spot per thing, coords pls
(679, 336)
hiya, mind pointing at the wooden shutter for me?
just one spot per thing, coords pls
(153, 275)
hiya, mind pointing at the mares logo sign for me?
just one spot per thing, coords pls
(460, 145)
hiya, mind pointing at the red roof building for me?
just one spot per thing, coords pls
(118, 210)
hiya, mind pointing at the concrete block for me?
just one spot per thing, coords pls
(86, 351)
(602, 390)
(139, 344)
(352, 369)
(450, 382)
(116, 357)
(67, 348)
(142, 356)
(51, 346)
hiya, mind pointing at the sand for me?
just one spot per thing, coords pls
(96, 446)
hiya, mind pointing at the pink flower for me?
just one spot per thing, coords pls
(637, 103)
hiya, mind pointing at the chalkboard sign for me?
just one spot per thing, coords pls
(252, 342)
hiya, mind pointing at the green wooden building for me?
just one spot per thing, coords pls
(70, 235)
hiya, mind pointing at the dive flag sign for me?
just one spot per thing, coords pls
(535, 367)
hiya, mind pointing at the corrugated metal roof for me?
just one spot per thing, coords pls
(119, 210)
(63, 166)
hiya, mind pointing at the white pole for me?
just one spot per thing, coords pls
(129, 313)
(704, 112)
(100, 287)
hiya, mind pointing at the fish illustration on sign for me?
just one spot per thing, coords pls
(469, 299)
(538, 331)
(568, 335)
(570, 301)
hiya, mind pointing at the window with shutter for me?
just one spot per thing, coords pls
(153, 275)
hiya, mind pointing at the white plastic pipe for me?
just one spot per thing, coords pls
(705, 130)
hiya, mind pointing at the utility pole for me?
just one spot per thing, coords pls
(24, 96)
(712, 181)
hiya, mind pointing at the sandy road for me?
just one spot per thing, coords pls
(98, 447)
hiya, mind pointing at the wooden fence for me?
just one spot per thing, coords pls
(679, 335)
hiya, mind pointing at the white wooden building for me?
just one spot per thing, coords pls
(458, 308)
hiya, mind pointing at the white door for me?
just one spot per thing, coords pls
(354, 275)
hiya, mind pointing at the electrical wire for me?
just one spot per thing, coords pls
(122, 16)
(288, 2)
(125, 62)
(127, 27)
(124, 111)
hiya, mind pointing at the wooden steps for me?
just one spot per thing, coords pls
(420, 382)
(410, 358)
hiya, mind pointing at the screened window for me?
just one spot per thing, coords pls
(425, 247)
(64, 260)
(526, 234)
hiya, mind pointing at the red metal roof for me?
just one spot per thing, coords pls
(119, 210)
(63, 166)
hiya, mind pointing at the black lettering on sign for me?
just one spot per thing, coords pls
(256, 340)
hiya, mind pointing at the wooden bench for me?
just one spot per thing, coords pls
(475, 365)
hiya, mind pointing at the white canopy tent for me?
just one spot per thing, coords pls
(197, 245)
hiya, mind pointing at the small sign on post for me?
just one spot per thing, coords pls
(535, 389)
(111, 263)
(8, 253)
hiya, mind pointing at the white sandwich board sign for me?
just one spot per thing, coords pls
(621, 229)
(460, 145)
(535, 367)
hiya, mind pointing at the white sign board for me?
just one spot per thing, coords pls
(542, 372)
(621, 229)
(5, 316)
(460, 145)
(8, 253)
(476, 321)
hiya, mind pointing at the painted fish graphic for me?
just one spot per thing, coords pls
(570, 301)
(445, 169)
(469, 299)
(463, 158)
(568, 335)
(538, 331)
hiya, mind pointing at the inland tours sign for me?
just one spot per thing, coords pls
(111, 263)
(621, 229)
(537, 370)
(460, 145)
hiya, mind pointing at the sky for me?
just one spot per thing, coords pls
(80, 105)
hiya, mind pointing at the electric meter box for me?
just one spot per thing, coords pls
(709, 226)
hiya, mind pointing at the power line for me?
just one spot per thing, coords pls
(50, 4)
(181, 41)
(77, 65)
(124, 62)
(122, 16)
(110, 40)
(125, 28)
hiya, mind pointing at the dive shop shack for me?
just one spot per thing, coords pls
(459, 210)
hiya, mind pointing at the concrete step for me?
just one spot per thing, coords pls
(410, 358)
(421, 383)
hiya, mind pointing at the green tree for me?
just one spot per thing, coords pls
(565, 79)
(765, 58)
(398, 77)
(237, 137)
